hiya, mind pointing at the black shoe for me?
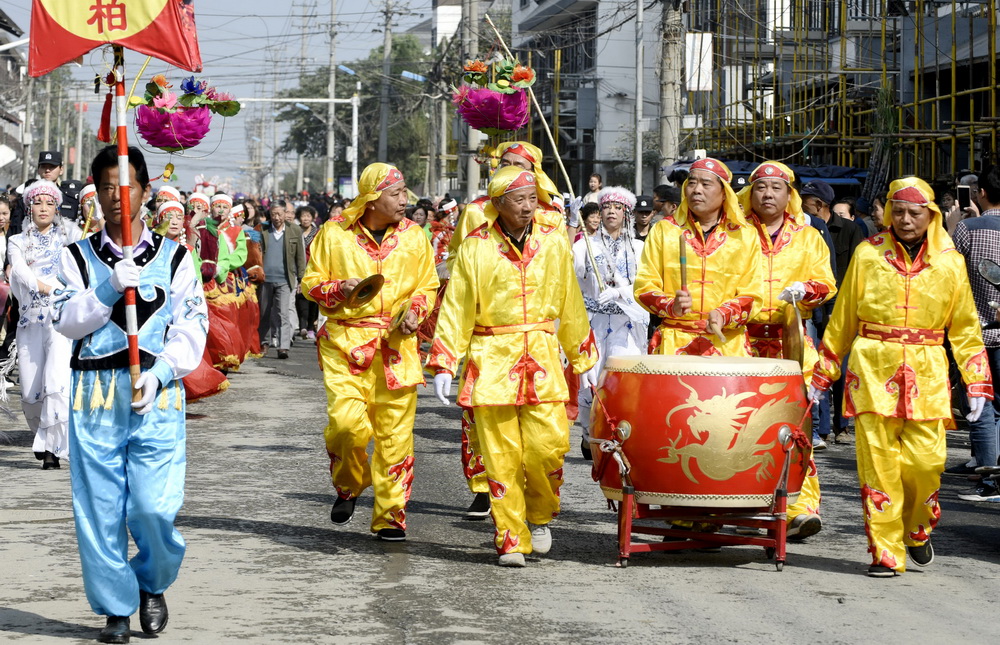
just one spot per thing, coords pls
(585, 449)
(282, 353)
(960, 469)
(115, 631)
(879, 571)
(982, 492)
(49, 460)
(392, 535)
(343, 510)
(153, 613)
(480, 507)
(921, 555)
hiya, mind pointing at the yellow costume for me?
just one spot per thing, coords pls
(472, 218)
(892, 314)
(724, 272)
(371, 373)
(797, 253)
(507, 312)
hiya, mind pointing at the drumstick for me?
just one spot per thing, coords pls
(714, 328)
(682, 254)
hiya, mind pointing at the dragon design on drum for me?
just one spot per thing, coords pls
(725, 436)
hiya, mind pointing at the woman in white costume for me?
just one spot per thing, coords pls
(618, 321)
(43, 354)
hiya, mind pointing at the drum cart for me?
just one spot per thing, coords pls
(705, 522)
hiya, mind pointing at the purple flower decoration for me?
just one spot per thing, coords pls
(191, 87)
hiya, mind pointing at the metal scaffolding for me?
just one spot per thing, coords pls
(836, 82)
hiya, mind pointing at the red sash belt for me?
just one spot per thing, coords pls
(764, 330)
(901, 335)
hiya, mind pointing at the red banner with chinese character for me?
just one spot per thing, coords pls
(63, 30)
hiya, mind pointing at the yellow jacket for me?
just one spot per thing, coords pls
(892, 315)
(345, 249)
(723, 272)
(502, 309)
(473, 217)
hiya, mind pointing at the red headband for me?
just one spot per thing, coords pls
(769, 171)
(393, 178)
(713, 166)
(910, 194)
(525, 180)
(520, 151)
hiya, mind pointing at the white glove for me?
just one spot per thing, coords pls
(574, 212)
(589, 379)
(815, 394)
(793, 293)
(442, 387)
(608, 295)
(976, 405)
(125, 275)
(148, 384)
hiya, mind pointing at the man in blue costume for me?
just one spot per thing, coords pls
(128, 458)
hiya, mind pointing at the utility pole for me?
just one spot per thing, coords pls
(383, 121)
(470, 49)
(300, 165)
(48, 112)
(638, 96)
(28, 130)
(671, 70)
(355, 105)
(331, 150)
(78, 172)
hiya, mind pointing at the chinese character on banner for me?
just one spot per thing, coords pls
(113, 13)
(64, 30)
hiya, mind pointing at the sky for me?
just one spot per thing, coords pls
(246, 53)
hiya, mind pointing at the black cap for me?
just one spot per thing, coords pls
(51, 157)
(71, 188)
(819, 189)
(643, 203)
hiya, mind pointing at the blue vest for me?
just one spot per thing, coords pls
(107, 348)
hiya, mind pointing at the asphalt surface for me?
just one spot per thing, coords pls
(265, 565)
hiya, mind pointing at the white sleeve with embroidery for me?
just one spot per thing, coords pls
(78, 311)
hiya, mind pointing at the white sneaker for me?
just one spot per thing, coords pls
(541, 539)
(512, 560)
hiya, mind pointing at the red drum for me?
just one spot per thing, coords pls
(704, 431)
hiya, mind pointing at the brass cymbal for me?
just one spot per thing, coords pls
(365, 291)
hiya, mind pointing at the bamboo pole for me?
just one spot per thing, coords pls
(555, 151)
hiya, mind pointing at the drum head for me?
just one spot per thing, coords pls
(365, 291)
(792, 340)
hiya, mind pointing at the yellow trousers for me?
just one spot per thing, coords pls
(523, 449)
(472, 455)
(360, 407)
(899, 468)
(809, 496)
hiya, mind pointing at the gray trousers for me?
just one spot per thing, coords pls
(275, 300)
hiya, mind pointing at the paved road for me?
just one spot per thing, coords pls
(265, 565)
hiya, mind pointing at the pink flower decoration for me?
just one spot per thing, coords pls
(492, 112)
(172, 131)
(165, 101)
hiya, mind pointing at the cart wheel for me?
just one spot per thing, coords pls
(779, 565)
(769, 551)
(623, 563)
